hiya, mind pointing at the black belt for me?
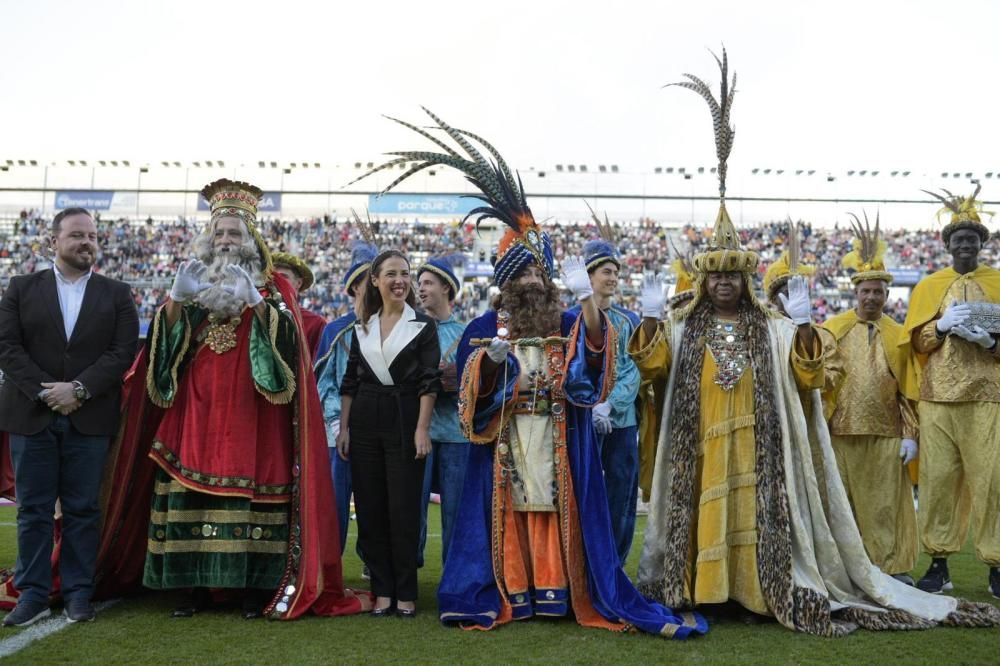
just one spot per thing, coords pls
(395, 392)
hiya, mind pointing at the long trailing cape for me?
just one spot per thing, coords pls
(823, 583)
(312, 581)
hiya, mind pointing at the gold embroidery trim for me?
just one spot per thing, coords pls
(216, 546)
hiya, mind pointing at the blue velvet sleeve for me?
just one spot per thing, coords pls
(585, 382)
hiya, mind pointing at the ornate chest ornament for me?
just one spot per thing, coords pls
(220, 336)
(728, 345)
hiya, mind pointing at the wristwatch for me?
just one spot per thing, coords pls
(80, 391)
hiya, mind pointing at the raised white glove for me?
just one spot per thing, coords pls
(652, 296)
(973, 333)
(576, 279)
(188, 281)
(243, 288)
(797, 304)
(602, 418)
(498, 350)
(908, 451)
(954, 314)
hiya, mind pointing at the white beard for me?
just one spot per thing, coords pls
(216, 299)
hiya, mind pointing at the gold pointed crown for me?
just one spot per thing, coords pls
(229, 198)
(867, 258)
(788, 265)
(724, 253)
(964, 212)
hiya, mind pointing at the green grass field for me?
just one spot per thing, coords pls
(140, 631)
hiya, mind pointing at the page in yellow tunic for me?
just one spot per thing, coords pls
(868, 403)
(957, 370)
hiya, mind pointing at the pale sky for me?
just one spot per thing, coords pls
(886, 84)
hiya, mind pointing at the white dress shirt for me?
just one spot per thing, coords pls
(70, 298)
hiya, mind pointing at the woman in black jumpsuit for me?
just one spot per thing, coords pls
(387, 397)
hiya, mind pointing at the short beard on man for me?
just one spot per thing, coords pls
(535, 310)
(216, 299)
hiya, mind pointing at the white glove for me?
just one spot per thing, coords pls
(498, 350)
(908, 451)
(973, 333)
(576, 279)
(797, 304)
(188, 281)
(602, 418)
(652, 296)
(954, 314)
(244, 288)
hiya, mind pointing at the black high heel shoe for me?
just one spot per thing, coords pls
(407, 613)
(388, 611)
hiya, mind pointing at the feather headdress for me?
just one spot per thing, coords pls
(500, 190)
(788, 265)
(867, 258)
(363, 252)
(724, 253)
(685, 274)
(604, 248)
(964, 212)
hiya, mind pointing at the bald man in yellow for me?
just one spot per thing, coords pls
(954, 371)
(874, 427)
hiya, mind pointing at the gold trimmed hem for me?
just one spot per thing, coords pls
(179, 474)
(217, 546)
(219, 516)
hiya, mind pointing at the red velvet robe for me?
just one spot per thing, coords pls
(220, 435)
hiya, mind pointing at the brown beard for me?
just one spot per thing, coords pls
(535, 310)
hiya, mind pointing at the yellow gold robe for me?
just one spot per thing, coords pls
(870, 419)
(724, 565)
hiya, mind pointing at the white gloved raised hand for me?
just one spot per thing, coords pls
(188, 282)
(243, 287)
(908, 451)
(974, 334)
(576, 279)
(652, 296)
(797, 304)
(954, 314)
(498, 350)
(602, 418)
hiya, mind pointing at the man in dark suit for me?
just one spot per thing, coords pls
(67, 336)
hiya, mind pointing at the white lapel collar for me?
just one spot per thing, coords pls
(402, 333)
(370, 344)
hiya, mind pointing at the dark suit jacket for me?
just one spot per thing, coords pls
(34, 349)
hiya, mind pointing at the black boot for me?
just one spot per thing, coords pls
(937, 579)
(253, 603)
(198, 600)
(995, 582)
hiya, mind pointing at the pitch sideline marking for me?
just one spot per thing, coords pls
(41, 630)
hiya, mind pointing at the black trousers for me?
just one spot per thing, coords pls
(388, 481)
(57, 463)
